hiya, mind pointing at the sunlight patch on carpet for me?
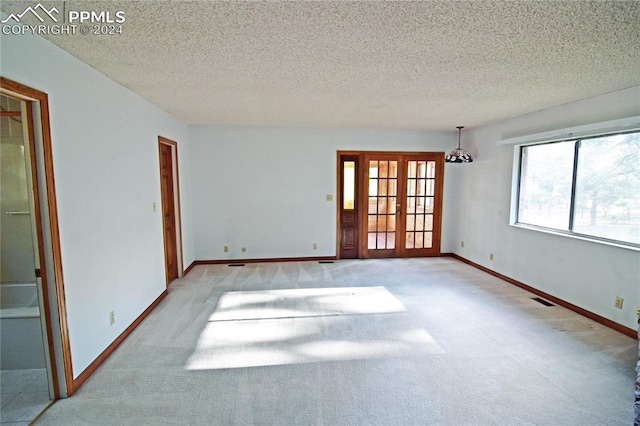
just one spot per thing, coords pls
(278, 327)
(305, 302)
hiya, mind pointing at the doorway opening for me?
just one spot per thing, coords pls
(35, 345)
(389, 204)
(170, 205)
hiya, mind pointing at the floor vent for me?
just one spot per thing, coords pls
(542, 301)
(236, 264)
(326, 261)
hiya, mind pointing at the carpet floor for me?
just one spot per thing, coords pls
(428, 341)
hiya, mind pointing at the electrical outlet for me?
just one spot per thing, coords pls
(225, 249)
(112, 317)
(315, 246)
(462, 244)
(329, 197)
(638, 312)
(244, 249)
(491, 256)
(619, 302)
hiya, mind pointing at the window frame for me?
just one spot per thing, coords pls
(517, 181)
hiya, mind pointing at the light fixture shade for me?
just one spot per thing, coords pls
(458, 155)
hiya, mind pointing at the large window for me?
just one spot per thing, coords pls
(588, 187)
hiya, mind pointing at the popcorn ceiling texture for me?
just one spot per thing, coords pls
(424, 65)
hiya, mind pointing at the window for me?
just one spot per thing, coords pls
(587, 187)
(349, 185)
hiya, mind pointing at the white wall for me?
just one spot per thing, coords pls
(584, 273)
(105, 151)
(265, 188)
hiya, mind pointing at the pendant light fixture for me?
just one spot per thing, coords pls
(458, 155)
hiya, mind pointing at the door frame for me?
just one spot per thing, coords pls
(56, 333)
(361, 186)
(176, 205)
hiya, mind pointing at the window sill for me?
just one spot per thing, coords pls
(577, 236)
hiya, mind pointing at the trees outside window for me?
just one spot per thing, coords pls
(587, 186)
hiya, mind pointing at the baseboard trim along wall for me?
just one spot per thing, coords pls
(595, 317)
(79, 381)
(259, 260)
(189, 268)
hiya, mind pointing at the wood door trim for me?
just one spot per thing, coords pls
(439, 201)
(411, 153)
(31, 95)
(362, 190)
(42, 260)
(177, 207)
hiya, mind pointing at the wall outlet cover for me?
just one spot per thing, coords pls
(619, 302)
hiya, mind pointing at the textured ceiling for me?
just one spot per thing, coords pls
(424, 65)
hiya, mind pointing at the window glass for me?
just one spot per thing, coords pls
(349, 190)
(608, 188)
(602, 200)
(545, 184)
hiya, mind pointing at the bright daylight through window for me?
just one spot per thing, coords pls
(587, 187)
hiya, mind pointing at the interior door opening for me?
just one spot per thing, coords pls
(397, 204)
(25, 359)
(45, 229)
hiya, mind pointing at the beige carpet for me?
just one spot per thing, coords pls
(380, 342)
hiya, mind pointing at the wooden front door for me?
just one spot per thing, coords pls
(168, 212)
(398, 204)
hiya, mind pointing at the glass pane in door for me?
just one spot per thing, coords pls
(383, 186)
(420, 202)
(349, 185)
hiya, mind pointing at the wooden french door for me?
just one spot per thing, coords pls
(168, 211)
(382, 205)
(398, 205)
